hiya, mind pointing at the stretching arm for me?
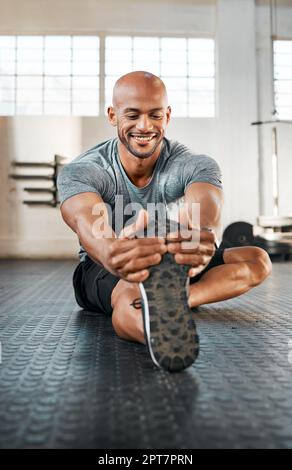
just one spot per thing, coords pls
(83, 213)
(210, 198)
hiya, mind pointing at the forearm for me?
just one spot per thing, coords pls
(86, 214)
(210, 199)
(93, 241)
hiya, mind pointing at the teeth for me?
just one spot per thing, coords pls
(143, 139)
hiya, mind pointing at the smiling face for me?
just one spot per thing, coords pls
(140, 112)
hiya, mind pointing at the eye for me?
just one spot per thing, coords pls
(156, 116)
(132, 116)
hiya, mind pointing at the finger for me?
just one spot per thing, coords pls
(183, 247)
(141, 263)
(186, 247)
(139, 224)
(194, 236)
(124, 245)
(136, 253)
(192, 260)
(195, 271)
(139, 276)
(207, 235)
(179, 235)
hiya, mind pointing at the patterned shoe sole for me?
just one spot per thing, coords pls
(170, 331)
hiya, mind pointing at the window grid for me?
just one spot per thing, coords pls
(186, 87)
(69, 97)
(282, 55)
(190, 109)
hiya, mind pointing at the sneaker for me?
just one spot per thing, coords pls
(170, 331)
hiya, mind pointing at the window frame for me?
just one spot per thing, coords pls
(44, 76)
(104, 104)
(101, 35)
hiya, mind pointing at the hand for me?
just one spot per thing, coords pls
(185, 253)
(129, 257)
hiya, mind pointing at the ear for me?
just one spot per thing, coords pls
(168, 114)
(111, 114)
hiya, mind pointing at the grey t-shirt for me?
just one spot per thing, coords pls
(99, 170)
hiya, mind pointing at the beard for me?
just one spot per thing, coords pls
(135, 152)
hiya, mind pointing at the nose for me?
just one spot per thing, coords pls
(144, 123)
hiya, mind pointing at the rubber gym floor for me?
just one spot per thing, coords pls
(67, 381)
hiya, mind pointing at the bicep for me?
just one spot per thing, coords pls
(197, 192)
(211, 200)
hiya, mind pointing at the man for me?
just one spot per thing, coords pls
(141, 281)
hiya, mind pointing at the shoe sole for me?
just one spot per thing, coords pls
(170, 330)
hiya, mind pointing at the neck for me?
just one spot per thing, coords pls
(139, 170)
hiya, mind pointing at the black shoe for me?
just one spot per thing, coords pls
(169, 328)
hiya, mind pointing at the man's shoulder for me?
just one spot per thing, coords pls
(178, 152)
(101, 155)
(187, 162)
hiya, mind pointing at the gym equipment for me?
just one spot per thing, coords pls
(57, 163)
(275, 243)
(274, 232)
(238, 234)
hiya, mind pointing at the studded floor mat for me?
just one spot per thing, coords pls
(67, 381)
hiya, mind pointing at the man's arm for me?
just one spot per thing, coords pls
(123, 257)
(210, 199)
(78, 213)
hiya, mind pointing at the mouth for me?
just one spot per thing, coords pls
(143, 138)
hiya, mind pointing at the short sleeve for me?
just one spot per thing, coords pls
(201, 169)
(82, 177)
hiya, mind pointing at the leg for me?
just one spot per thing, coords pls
(244, 268)
(127, 316)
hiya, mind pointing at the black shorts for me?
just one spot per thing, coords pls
(93, 284)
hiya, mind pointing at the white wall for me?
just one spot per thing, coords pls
(26, 230)
(242, 32)
(79, 16)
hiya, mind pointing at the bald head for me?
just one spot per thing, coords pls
(141, 113)
(139, 84)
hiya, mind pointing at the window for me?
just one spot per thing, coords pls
(283, 79)
(59, 75)
(186, 65)
(52, 75)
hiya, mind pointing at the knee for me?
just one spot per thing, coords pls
(262, 266)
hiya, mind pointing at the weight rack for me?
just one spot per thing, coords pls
(55, 165)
